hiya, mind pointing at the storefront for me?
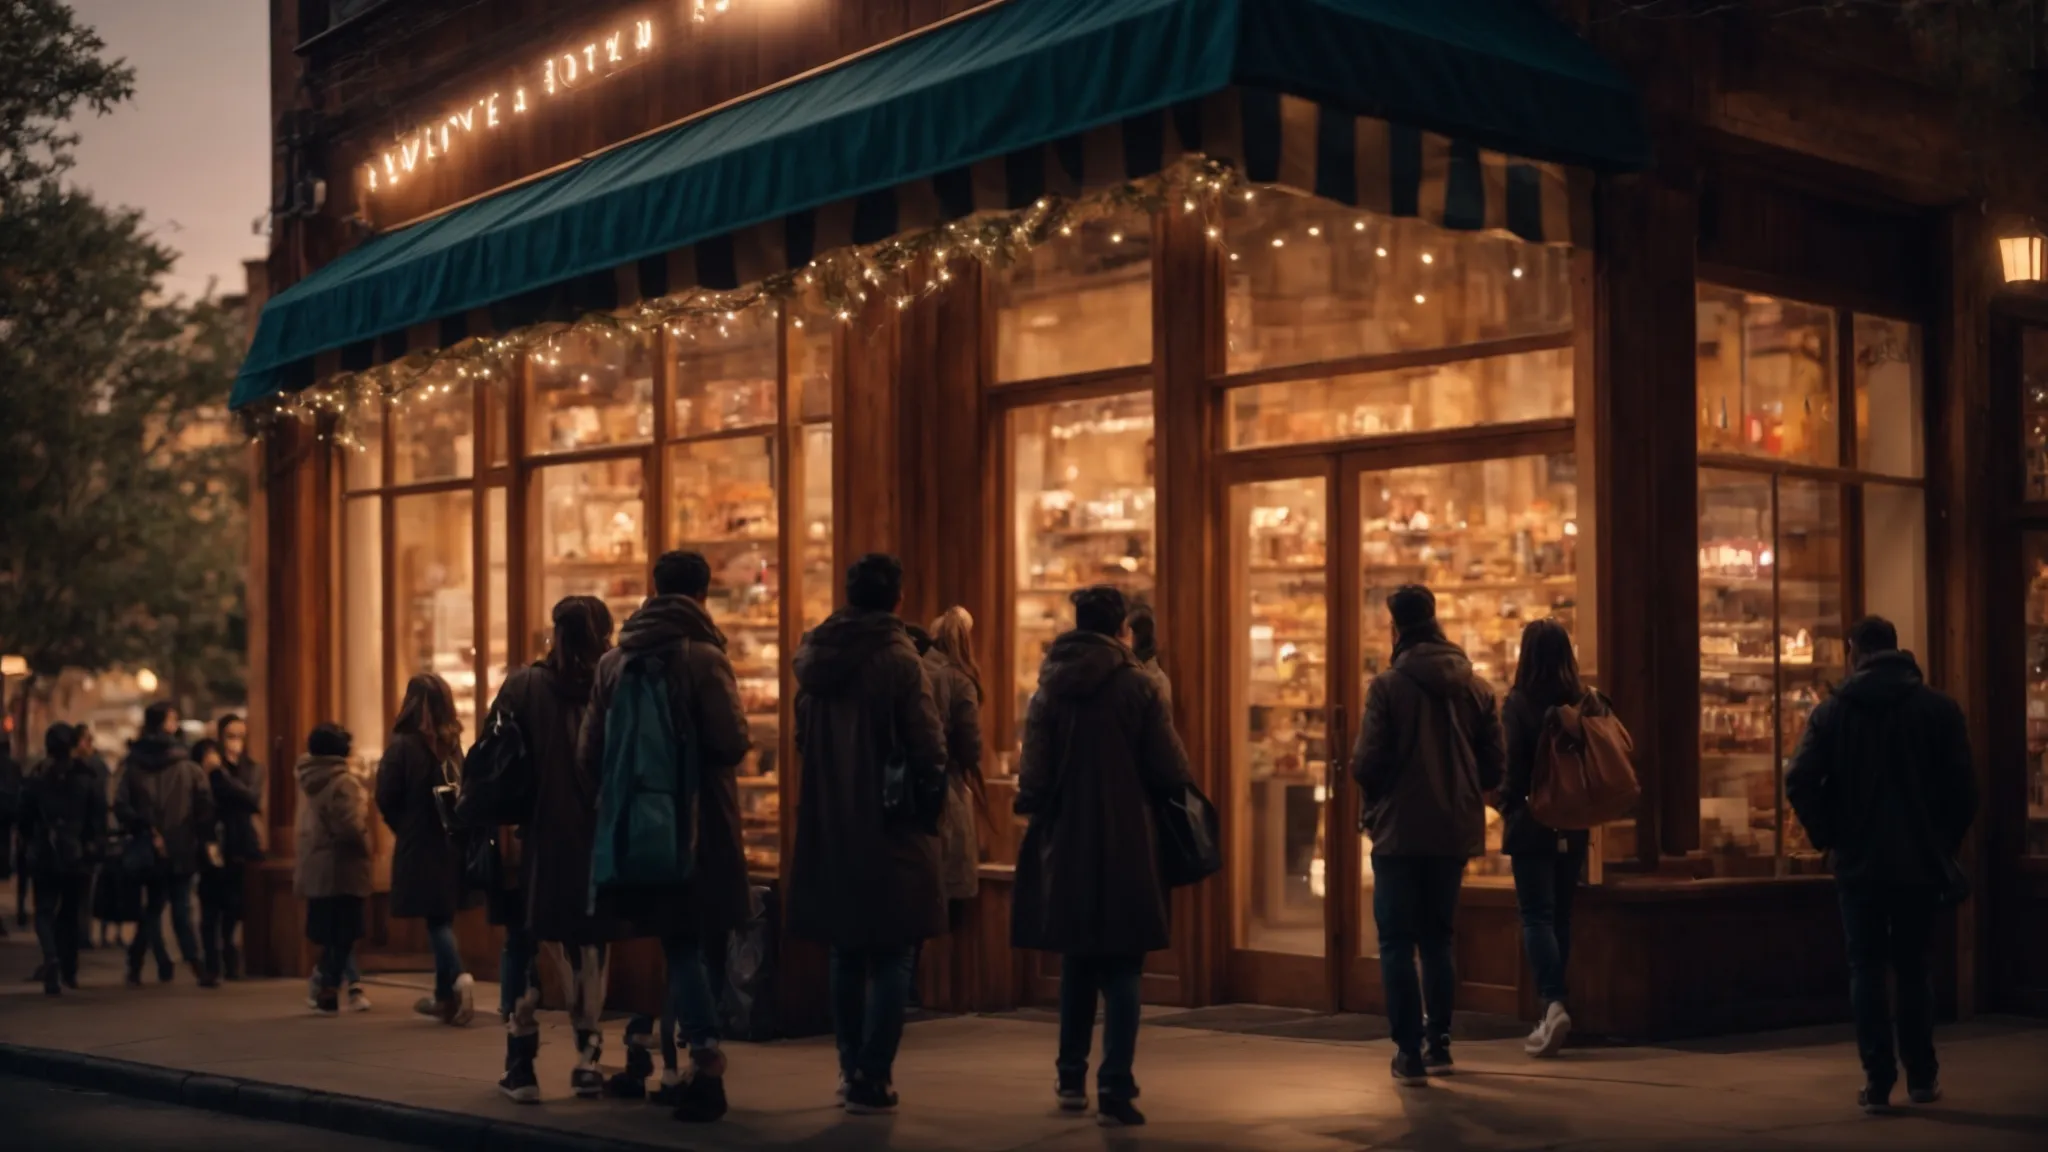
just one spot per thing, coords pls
(1252, 332)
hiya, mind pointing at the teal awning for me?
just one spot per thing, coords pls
(1382, 103)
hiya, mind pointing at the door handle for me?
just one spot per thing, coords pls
(1338, 749)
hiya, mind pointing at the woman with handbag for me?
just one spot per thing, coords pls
(423, 757)
(1100, 754)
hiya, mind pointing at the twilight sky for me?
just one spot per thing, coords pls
(192, 148)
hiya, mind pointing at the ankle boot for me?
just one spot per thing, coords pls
(631, 1084)
(230, 963)
(587, 1078)
(519, 1084)
(703, 1099)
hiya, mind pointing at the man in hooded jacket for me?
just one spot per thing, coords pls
(675, 627)
(165, 798)
(863, 881)
(1428, 751)
(1881, 781)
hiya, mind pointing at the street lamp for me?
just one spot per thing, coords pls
(2022, 256)
(146, 681)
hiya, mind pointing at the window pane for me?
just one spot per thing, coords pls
(1811, 620)
(1497, 541)
(1530, 386)
(1279, 683)
(1895, 560)
(725, 374)
(590, 388)
(1080, 304)
(821, 573)
(497, 438)
(2034, 549)
(1888, 411)
(592, 539)
(1081, 480)
(722, 496)
(1313, 280)
(362, 461)
(362, 627)
(2034, 399)
(434, 591)
(811, 359)
(431, 437)
(1738, 674)
(1766, 377)
(497, 600)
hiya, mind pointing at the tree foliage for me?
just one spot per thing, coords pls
(122, 486)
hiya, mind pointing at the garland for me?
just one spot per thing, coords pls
(838, 284)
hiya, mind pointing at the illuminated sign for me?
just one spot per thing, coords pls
(574, 67)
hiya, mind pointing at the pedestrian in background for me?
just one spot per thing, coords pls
(88, 908)
(333, 871)
(1099, 753)
(1428, 751)
(1144, 628)
(956, 693)
(425, 753)
(1882, 782)
(549, 898)
(238, 787)
(63, 819)
(864, 879)
(165, 804)
(672, 637)
(10, 812)
(1546, 862)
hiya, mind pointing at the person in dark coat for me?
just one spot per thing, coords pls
(1882, 783)
(88, 755)
(1428, 751)
(10, 852)
(674, 628)
(1547, 863)
(165, 799)
(550, 897)
(425, 753)
(862, 881)
(333, 870)
(63, 818)
(1099, 753)
(956, 693)
(238, 786)
(1144, 628)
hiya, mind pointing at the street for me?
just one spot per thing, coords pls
(46, 1117)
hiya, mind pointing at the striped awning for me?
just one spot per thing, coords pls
(1028, 99)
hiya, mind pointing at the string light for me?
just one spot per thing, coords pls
(1428, 259)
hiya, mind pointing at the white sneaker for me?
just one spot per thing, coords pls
(313, 991)
(1549, 1037)
(358, 1000)
(465, 1001)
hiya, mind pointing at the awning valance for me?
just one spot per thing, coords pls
(1408, 109)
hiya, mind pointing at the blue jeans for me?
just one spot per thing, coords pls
(1115, 979)
(162, 890)
(869, 988)
(57, 898)
(690, 1013)
(447, 958)
(1891, 929)
(1415, 902)
(1544, 888)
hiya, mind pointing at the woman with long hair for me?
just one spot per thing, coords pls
(1546, 862)
(549, 883)
(425, 752)
(956, 690)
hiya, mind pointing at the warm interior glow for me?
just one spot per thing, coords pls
(2022, 257)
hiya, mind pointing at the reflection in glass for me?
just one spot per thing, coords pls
(1888, 410)
(821, 573)
(362, 627)
(432, 435)
(1081, 482)
(1766, 377)
(1812, 615)
(590, 539)
(434, 591)
(2034, 554)
(1738, 672)
(591, 387)
(2034, 410)
(1279, 681)
(1497, 542)
(1081, 303)
(725, 374)
(1503, 389)
(1312, 280)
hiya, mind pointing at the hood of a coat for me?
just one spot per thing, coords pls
(1437, 665)
(1882, 678)
(317, 773)
(666, 621)
(155, 751)
(1078, 663)
(840, 647)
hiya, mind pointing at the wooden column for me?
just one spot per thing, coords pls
(1645, 491)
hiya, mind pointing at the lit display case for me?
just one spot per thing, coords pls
(1083, 304)
(589, 538)
(2034, 552)
(591, 389)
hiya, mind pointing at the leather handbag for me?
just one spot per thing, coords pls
(1189, 846)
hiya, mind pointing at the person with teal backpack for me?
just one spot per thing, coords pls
(663, 738)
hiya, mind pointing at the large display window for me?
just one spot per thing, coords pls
(1806, 521)
(1080, 305)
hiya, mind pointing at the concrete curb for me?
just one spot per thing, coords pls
(257, 1100)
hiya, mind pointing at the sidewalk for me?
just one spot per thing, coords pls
(985, 1082)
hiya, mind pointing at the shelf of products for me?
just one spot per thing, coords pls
(725, 375)
(591, 538)
(2034, 411)
(435, 595)
(1081, 484)
(1766, 377)
(1497, 390)
(591, 388)
(2034, 549)
(1081, 305)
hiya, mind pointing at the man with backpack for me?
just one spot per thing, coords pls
(1882, 782)
(1429, 749)
(864, 874)
(663, 737)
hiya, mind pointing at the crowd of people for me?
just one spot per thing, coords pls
(889, 738)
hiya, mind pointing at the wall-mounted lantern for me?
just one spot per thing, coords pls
(2022, 255)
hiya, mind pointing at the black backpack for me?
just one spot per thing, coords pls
(497, 776)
